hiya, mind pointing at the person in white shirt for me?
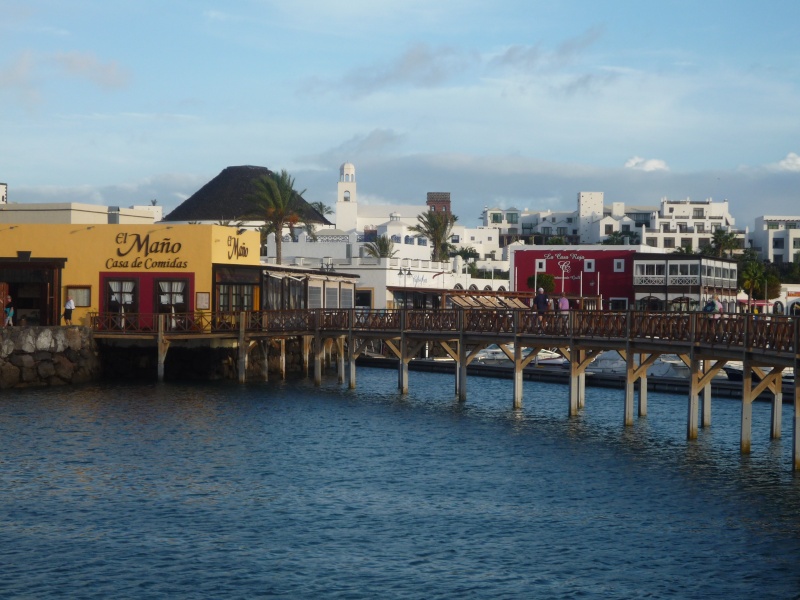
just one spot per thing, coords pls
(69, 306)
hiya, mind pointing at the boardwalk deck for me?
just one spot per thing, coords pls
(705, 342)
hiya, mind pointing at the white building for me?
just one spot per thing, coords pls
(675, 223)
(777, 239)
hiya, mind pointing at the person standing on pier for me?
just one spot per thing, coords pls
(69, 306)
(9, 312)
(541, 302)
(563, 303)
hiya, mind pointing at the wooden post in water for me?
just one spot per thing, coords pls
(695, 376)
(642, 387)
(242, 350)
(283, 359)
(306, 343)
(163, 347)
(630, 386)
(351, 360)
(517, 401)
(340, 358)
(705, 416)
(318, 359)
(574, 380)
(265, 352)
(402, 365)
(747, 407)
(777, 407)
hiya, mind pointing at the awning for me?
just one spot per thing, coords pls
(756, 302)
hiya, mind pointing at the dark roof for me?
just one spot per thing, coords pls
(227, 197)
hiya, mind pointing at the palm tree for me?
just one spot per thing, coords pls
(436, 226)
(278, 204)
(382, 247)
(723, 241)
(321, 208)
(751, 277)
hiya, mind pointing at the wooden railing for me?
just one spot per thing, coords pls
(776, 334)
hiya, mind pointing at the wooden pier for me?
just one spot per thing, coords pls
(766, 345)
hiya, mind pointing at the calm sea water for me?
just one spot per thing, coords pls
(287, 490)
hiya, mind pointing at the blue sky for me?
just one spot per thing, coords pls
(510, 104)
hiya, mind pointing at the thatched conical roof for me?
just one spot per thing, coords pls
(227, 198)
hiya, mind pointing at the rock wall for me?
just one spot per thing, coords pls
(41, 356)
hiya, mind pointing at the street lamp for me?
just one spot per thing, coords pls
(404, 272)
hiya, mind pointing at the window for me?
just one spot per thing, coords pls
(122, 296)
(235, 297)
(332, 296)
(569, 219)
(496, 217)
(609, 229)
(697, 213)
(82, 296)
(619, 265)
(396, 239)
(512, 218)
(772, 225)
(541, 265)
(699, 227)
(422, 241)
(795, 245)
(626, 228)
(561, 230)
(547, 230)
(454, 239)
(171, 296)
(669, 242)
(777, 243)
(791, 225)
(409, 239)
(588, 265)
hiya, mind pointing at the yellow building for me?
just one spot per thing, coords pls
(126, 269)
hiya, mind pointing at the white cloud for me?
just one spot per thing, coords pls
(790, 163)
(638, 163)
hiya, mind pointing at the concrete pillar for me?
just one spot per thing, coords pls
(630, 387)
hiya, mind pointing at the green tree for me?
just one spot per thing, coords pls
(436, 226)
(543, 280)
(723, 241)
(321, 208)
(467, 252)
(751, 277)
(382, 247)
(618, 238)
(276, 202)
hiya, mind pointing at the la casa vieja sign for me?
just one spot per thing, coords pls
(135, 251)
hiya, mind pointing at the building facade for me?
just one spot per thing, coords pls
(777, 239)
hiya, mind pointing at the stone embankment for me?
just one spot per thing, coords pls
(42, 356)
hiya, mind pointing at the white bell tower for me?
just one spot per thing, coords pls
(347, 199)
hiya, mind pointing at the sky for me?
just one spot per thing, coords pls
(509, 104)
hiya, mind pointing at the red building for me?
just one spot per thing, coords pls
(580, 271)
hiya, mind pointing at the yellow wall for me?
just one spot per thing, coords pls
(128, 249)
